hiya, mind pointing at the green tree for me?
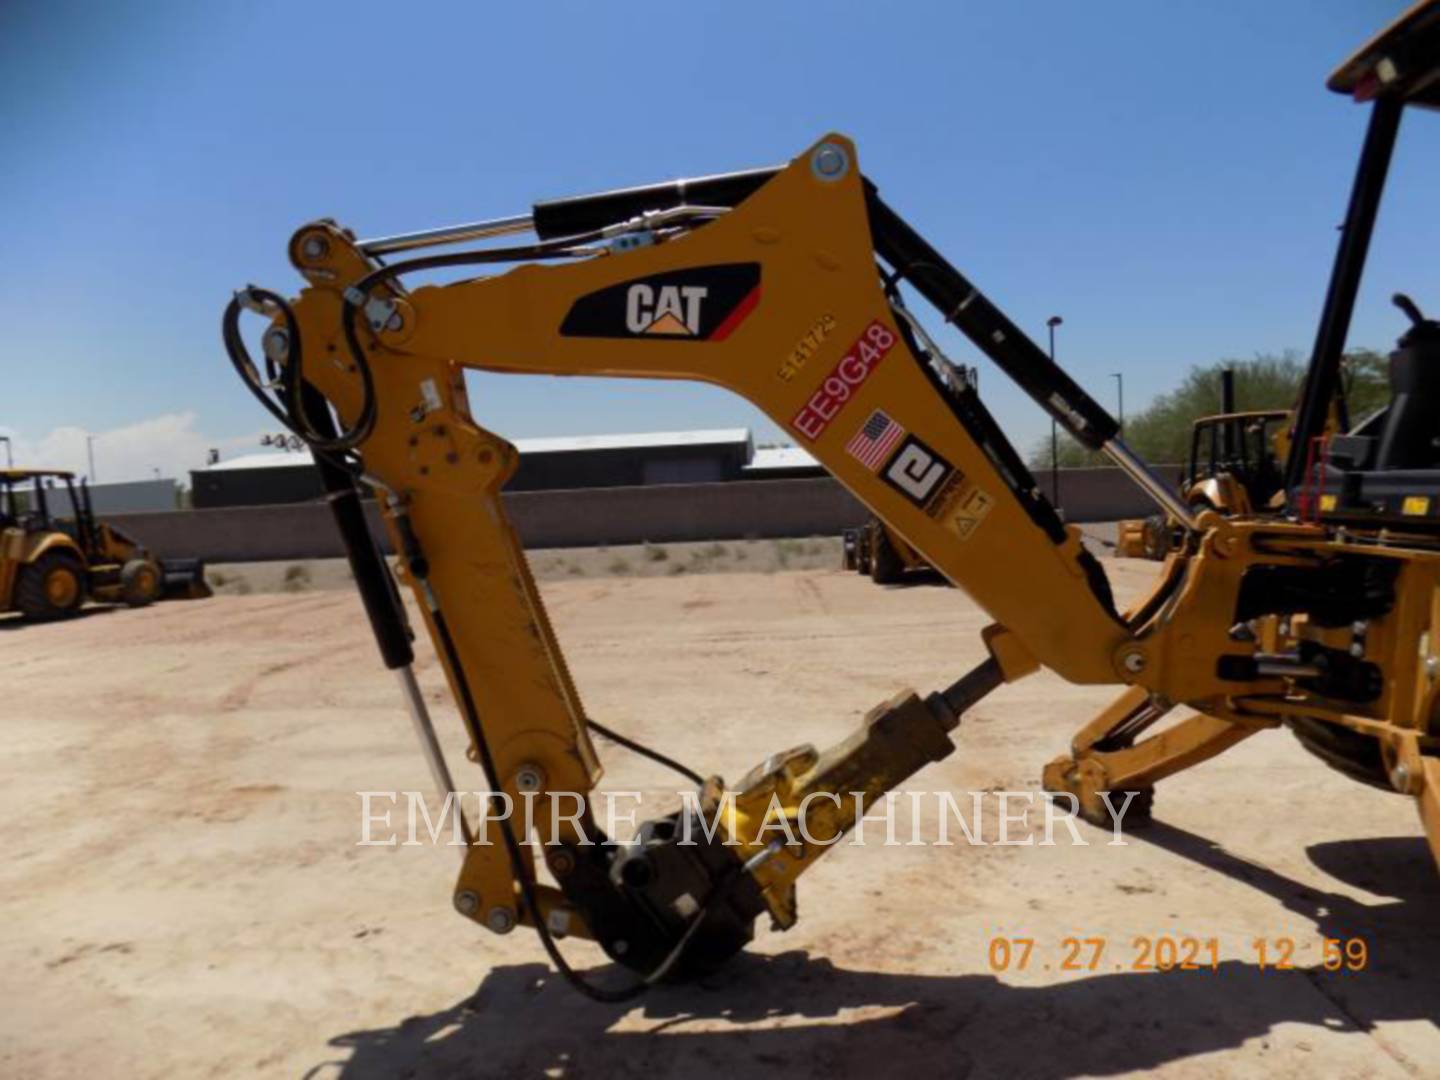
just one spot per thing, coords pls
(1367, 383)
(1160, 433)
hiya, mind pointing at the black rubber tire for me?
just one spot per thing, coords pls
(1344, 750)
(1157, 543)
(141, 582)
(885, 565)
(33, 597)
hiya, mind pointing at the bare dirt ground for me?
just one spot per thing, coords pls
(622, 560)
(183, 894)
(563, 564)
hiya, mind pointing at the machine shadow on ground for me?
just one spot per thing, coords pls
(796, 1012)
(920, 578)
(19, 622)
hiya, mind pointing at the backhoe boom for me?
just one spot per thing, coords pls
(782, 286)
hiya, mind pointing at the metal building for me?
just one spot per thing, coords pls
(662, 457)
(256, 480)
(782, 463)
(579, 461)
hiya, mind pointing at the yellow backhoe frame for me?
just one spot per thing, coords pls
(827, 351)
(811, 240)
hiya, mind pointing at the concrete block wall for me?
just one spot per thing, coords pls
(586, 517)
(135, 496)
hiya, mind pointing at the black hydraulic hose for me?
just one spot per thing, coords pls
(304, 413)
(645, 751)
(393, 639)
(517, 860)
(355, 297)
(372, 579)
(240, 356)
(307, 415)
(287, 375)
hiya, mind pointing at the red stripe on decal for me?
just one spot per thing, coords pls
(736, 317)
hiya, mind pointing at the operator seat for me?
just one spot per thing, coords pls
(1410, 438)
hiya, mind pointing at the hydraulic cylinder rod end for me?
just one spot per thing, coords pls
(581, 213)
(449, 234)
(425, 731)
(1151, 484)
(952, 703)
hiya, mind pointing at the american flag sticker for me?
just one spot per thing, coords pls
(874, 440)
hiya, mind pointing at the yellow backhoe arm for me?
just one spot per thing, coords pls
(786, 309)
(779, 285)
(780, 300)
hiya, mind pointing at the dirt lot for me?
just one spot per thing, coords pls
(564, 564)
(183, 894)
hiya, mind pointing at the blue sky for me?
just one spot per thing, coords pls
(1167, 177)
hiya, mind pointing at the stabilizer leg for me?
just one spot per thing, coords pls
(1429, 802)
(1105, 757)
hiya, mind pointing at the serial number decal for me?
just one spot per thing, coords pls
(807, 347)
(838, 387)
(1168, 953)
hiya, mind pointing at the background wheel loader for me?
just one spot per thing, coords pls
(54, 555)
(1236, 466)
(1233, 469)
(875, 549)
(881, 553)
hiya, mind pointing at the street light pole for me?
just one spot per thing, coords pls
(1052, 323)
(1120, 397)
(90, 453)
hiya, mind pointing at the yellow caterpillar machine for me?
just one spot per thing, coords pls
(1236, 466)
(1237, 463)
(55, 556)
(880, 553)
(782, 285)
